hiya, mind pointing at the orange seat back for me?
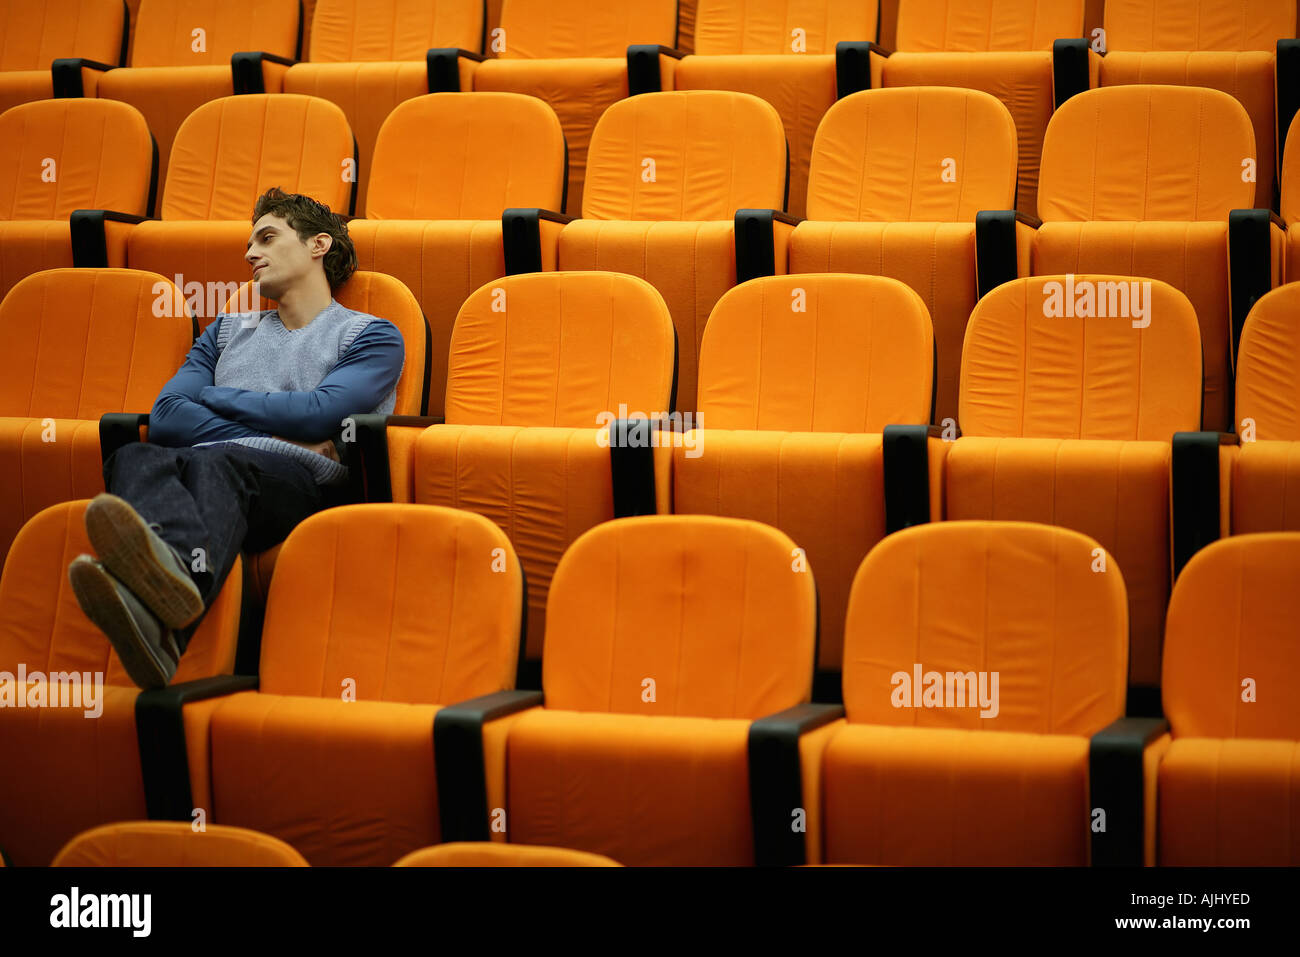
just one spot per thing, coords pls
(913, 154)
(1231, 655)
(559, 349)
(780, 26)
(1188, 25)
(83, 342)
(583, 28)
(1014, 602)
(209, 32)
(410, 603)
(35, 34)
(685, 156)
(364, 31)
(231, 150)
(982, 26)
(1268, 375)
(488, 854)
(817, 353)
(175, 844)
(680, 615)
(1034, 365)
(1171, 153)
(57, 156)
(466, 156)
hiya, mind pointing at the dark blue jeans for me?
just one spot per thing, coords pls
(222, 499)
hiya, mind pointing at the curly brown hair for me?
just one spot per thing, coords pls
(307, 218)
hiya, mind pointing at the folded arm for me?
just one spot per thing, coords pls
(358, 383)
(178, 417)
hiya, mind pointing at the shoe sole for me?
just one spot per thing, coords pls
(122, 541)
(99, 599)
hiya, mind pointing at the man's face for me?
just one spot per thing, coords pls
(281, 260)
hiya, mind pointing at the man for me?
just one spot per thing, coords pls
(241, 441)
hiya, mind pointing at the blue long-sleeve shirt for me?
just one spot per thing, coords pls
(248, 379)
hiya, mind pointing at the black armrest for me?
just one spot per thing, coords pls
(521, 237)
(246, 70)
(996, 261)
(117, 429)
(458, 758)
(1250, 262)
(1116, 788)
(632, 466)
(853, 65)
(89, 244)
(755, 241)
(442, 66)
(65, 74)
(1070, 74)
(906, 454)
(643, 67)
(1288, 90)
(1194, 491)
(160, 731)
(372, 450)
(776, 780)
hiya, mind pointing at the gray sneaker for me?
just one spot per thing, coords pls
(146, 649)
(135, 555)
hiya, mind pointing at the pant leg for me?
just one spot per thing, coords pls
(149, 478)
(212, 502)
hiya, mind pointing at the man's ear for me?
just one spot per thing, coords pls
(320, 244)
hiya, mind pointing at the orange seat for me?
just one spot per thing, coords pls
(433, 218)
(227, 153)
(1227, 785)
(540, 366)
(481, 854)
(1266, 469)
(957, 714)
(1247, 481)
(783, 51)
(353, 676)
(183, 54)
(1289, 204)
(1068, 419)
(1210, 43)
(1002, 48)
(58, 156)
(799, 376)
(649, 713)
(34, 35)
(80, 343)
(175, 844)
(1171, 206)
(367, 58)
(666, 175)
(76, 765)
(574, 55)
(897, 180)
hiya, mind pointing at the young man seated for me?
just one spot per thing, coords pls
(241, 441)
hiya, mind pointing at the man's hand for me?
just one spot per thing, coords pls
(325, 448)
